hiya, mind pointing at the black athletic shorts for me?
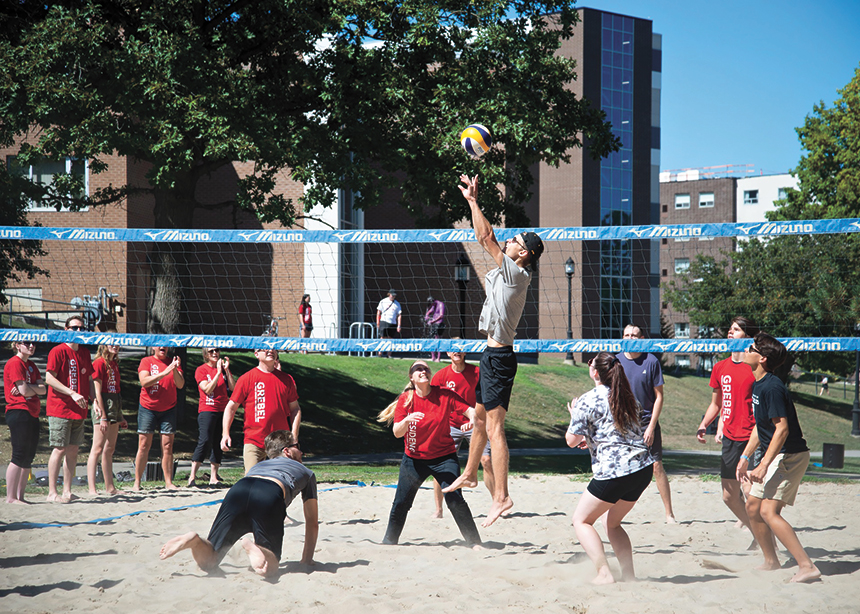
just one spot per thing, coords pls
(627, 487)
(388, 331)
(252, 505)
(730, 457)
(656, 447)
(498, 369)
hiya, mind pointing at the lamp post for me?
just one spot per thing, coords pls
(569, 269)
(855, 411)
(462, 272)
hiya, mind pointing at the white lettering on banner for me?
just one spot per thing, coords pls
(17, 335)
(562, 234)
(359, 236)
(91, 235)
(270, 236)
(388, 346)
(799, 345)
(454, 235)
(776, 229)
(199, 342)
(701, 346)
(259, 402)
(585, 346)
(10, 234)
(668, 231)
(178, 235)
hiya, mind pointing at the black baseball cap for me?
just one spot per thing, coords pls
(534, 245)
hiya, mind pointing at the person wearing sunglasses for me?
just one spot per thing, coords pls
(22, 387)
(606, 419)
(214, 383)
(421, 415)
(258, 504)
(506, 287)
(786, 456)
(70, 373)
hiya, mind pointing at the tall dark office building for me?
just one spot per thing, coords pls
(619, 67)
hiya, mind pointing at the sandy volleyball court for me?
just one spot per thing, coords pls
(532, 561)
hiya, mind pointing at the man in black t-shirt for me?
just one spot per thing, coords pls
(776, 479)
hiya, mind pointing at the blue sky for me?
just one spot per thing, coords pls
(740, 76)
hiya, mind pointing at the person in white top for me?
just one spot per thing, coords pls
(389, 315)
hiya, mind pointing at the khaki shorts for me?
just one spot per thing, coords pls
(252, 455)
(783, 478)
(113, 410)
(64, 432)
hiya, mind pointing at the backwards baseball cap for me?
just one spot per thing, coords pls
(392, 292)
(534, 245)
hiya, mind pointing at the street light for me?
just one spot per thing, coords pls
(462, 272)
(855, 411)
(569, 269)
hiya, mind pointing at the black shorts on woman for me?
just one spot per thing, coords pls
(625, 488)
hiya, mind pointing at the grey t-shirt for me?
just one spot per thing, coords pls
(294, 476)
(506, 297)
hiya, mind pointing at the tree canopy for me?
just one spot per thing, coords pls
(795, 286)
(343, 93)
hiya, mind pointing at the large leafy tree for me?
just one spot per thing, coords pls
(795, 286)
(343, 93)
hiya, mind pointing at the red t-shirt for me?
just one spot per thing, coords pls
(107, 374)
(735, 382)
(463, 384)
(16, 370)
(74, 369)
(266, 398)
(430, 437)
(161, 396)
(305, 311)
(220, 396)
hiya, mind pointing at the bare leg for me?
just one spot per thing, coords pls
(69, 467)
(107, 458)
(14, 475)
(763, 534)
(663, 488)
(588, 510)
(619, 539)
(213, 473)
(771, 513)
(201, 550)
(93, 460)
(55, 461)
(144, 441)
(734, 500)
(437, 498)
(469, 477)
(489, 477)
(262, 559)
(167, 460)
(501, 499)
(22, 482)
(195, 466)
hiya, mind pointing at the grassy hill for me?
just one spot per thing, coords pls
(341, 395)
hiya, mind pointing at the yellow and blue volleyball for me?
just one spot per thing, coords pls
(476, 140)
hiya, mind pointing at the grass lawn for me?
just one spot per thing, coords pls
(341, 395)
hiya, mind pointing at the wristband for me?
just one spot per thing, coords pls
(745, 457)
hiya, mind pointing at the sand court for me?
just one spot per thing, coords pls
(101, 555)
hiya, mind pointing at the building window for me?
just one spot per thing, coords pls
(665, 208)
(682, 330)
(665, 272)
(706, 199)
(682, 239)
(682, 201)
(750, 197)
(682, 265)
(682, 360)
(43, 174)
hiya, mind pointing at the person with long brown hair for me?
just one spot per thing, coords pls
(421, 415)
(107, 417)
(606, 421)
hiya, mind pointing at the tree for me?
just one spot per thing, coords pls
(16, 255)
(343, 93)
(795, 286)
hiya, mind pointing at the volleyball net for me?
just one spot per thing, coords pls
(225, 288)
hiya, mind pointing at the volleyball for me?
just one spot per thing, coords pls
(476, 140)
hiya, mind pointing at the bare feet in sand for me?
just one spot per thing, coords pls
(176, 544)
(604, 576)
(171, 487)
(64, 498)
(464, 481)
(769, 566)
(497, 509)
(436, 514)
(807, 574)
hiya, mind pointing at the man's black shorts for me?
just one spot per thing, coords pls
(627, 487)
(387, 331)
(730, 457)
(498, 369)
(656, 447)
(252, 505)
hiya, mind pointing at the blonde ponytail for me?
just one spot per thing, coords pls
(387, 414)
